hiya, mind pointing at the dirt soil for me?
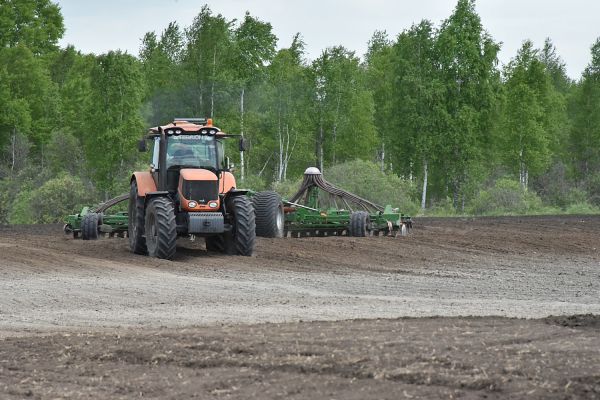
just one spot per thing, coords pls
(308, 318)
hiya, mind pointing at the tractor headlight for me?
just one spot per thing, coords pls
(192, 204)
(213, 204)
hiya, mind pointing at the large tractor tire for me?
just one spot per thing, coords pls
(243, 236)
(89, 226)
(160, 228)
(359, 223)
(270, 219)
(136, 221)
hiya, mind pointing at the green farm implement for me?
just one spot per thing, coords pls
(92, 221)
(321, 209)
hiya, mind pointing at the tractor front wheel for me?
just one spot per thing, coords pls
(244, 226)
(136, 221)
(270, 219)
(89, 226)
(160, 228)
(359, 223)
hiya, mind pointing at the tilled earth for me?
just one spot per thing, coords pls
(507, 307)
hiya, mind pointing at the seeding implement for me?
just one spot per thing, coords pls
(190, 191)
(321, 209)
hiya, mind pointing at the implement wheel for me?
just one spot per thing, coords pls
(89, 226)
(136, 221)
(160, 228)
(270, 219)
(244, 226)
(359, 223)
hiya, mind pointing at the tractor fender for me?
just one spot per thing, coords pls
(145, 182)
(235, 193)
(227, 182)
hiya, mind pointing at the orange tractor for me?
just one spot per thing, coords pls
(189, 190)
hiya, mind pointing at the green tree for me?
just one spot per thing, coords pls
(32, 101)
(255, 48)
(343, 108)
(163, 72)
(585, 111)
(207, 60)
(420, 116)
(525, 141)
(115, 123)
(467, 58)
(35, 24)
(380, 67)
(284, 96)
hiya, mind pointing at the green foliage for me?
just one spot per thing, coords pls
(366, 180)
(506, 196)
(531, 115)
(36, 24)
(115, 124)
(342, 108)
(50, 202)
(467, 59)
(252, 182)
(430, 107)
(582, 208)
(584, 109)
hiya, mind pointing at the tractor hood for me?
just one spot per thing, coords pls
(197, 174)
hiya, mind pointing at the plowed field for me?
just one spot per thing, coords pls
(461, 308)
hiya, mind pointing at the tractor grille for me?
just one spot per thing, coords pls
(201, 191)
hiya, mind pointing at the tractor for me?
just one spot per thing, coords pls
(189, 190)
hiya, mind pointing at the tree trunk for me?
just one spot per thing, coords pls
(242, 167)
(14, 140)
(319, 149)
(335, 123)
(424, 193)
(280, 138)
(382, 157)
(212, 90)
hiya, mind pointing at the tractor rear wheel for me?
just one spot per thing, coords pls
(89, 226)
(136, 221)
(244, 226)
(359, 223)
(160, 228)
(270, 219)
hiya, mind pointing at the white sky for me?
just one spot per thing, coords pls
(98, 26)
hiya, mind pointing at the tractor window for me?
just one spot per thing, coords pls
(154, 161)
(192, 150)
(221, 154)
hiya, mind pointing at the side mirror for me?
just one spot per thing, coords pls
(244, 144)
(142, 146)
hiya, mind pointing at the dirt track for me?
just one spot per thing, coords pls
(512, 267)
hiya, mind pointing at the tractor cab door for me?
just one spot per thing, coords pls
(155, 160)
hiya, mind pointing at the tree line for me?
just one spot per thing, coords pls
(432, 107)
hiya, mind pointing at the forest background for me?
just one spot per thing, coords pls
(427, 121)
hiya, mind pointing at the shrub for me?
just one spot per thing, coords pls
(506, 196)
(582, 208)
(442, 208)
(51, 202)
(287, 188)
(252, 182)
(366, 180)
